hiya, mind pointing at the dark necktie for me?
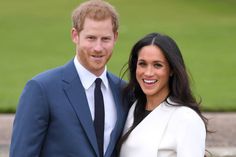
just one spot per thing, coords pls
(99, 115)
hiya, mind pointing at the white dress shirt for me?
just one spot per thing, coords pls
(88, 81)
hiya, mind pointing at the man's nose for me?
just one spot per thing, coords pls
(98, 46)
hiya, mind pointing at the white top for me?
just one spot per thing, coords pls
(168, 131)
(88, 82)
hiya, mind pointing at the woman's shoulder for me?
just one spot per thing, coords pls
(184, 112)
(187, 117)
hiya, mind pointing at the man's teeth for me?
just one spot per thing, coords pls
(97, 56)
(150, 81)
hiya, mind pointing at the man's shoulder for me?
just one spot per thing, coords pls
(52, 74)
(115, 78)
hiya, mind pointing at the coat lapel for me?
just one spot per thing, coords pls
(148, 132)
(75, 92)
(160, 119)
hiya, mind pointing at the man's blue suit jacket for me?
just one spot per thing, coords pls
(53, 118)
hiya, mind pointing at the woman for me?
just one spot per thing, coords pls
(165, 120)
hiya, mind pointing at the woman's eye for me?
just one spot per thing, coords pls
(158, 65)
(141, 64)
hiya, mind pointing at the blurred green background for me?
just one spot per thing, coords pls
(35, 36)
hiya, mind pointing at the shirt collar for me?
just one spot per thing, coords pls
(87, 78)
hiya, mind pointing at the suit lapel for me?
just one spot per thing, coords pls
(115, 85)
(75, 92)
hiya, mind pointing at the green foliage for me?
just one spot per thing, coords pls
(35, 36)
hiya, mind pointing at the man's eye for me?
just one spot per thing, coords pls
(106, 39)
(90, 38)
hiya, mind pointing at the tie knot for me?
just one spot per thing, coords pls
(98, 82)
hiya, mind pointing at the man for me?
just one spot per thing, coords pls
(56, 112)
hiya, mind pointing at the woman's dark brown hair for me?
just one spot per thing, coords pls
(180, 91)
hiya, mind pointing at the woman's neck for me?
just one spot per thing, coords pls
(155, 100)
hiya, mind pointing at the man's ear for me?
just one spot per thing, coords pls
(74, 35)
(116, 34)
